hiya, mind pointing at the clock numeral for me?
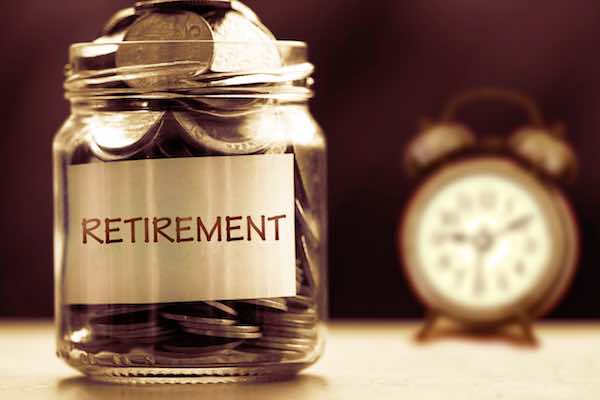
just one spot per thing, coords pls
(503, 282)
(465, 203)
(444, 262)
(459, 277)
(437, 239)
(488, 199)
(449, 218)
(509, 206)
(479, 286)
(520, 268)
(531, 245)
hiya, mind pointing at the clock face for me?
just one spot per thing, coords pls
(481, 237)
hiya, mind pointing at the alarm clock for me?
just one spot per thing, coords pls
(488, 237)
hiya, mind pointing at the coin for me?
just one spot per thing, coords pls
(222, 307)
(241, 45)
(160, 64)
(289, 346)
(288, 331)
(243, 332)
(247, 133)
(120, 20)
(132, 320)
(198, 5)
(120, 135)
(276, 354)
(311, 271)
(100, 56)
(224, 328)
(198, 313)
(308, 223)
(301, 301)
(152, 332)
(82, 154)
(277, 304)
(99, 311)
(282, 340)
(171, 146)
(146, 5)
(188, 345)
(302, 320)
(204, 320)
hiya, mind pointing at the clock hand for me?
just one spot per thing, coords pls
(516, 225)
(457, 237)
(479, 280)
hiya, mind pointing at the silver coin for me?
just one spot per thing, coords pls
(248, 13)
(288, 331)
(215, 105)
(120, 20)
(241, 44)
(301, 301)
(99, 56)
(198, 319)
(152, 332)
(222, 307)
(95, 312)
(171, 145)
(247, 134)
(198, 4)
(157, 28)
(147, 340)
(277, 304)
(311, 270)
(278, 148)
(121, 135)
(307, 291)
(304, 320)
(225, 328)
(282, 345)
(123, 323)
(308, 224)
(288, 340)
(149, 5)
(124, 329)
(276, 354)
(223, 333)
(194, 347)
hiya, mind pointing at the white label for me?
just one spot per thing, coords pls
(188, 229)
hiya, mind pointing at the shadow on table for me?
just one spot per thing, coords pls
(304, 386)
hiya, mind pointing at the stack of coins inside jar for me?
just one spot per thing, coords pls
(159, 100)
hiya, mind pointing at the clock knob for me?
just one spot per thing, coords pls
(545, 150)
(435, 142)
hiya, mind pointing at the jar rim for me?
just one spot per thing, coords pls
(94, 69)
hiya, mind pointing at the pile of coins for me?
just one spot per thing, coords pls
(193, 333)
(196, 333)
(177, 44)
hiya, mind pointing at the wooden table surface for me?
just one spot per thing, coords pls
(367, 360)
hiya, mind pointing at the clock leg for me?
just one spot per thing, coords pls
(526, 324)
(430, 320)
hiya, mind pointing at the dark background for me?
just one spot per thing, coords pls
(381, 66)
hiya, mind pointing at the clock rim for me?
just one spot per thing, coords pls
(533, 301)
(572, 255)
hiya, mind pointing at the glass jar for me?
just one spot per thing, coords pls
(190, 218)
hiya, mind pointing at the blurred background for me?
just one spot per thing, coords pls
(381, 67)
